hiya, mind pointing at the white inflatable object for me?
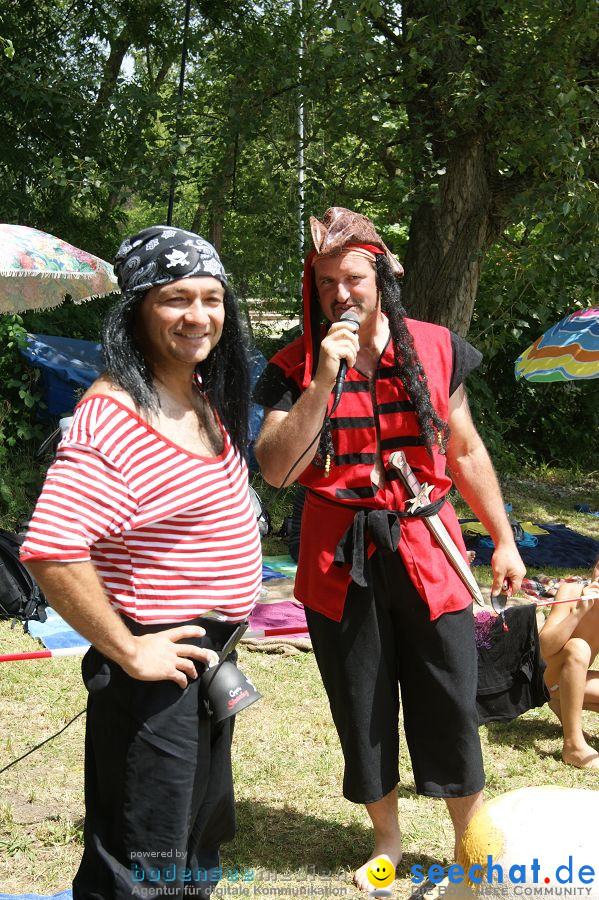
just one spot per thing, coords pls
(540, 841)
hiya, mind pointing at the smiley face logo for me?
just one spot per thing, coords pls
(380, 872)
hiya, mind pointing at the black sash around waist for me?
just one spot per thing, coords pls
(384, 528)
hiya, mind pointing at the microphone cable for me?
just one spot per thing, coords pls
(37, 746)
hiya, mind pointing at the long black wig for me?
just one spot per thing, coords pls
(434, 429)
(224, 373)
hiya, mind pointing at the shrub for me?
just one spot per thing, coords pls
(19, 431)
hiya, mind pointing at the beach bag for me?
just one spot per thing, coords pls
(20, 596)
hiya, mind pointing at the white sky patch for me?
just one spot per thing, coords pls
(128, 67)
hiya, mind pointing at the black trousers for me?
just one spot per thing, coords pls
(158, 783)
(385, 641)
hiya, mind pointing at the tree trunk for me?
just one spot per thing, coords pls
(198, 218)
(448, 238)
(119, 47)
(216, 225)
(218, 195)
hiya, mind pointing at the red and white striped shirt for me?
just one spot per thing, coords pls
(171, 534)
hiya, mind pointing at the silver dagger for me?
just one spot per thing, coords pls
(420, 497)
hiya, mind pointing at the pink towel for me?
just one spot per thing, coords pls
(278, 615)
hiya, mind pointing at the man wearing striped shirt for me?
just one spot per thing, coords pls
(145, 540)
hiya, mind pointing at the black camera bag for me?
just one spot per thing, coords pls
(20, 596)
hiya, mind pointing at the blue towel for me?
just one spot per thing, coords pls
(528, 540)
(562, 547)
(63, 895)
(268, 573)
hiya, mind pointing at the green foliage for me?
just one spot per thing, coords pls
(82, 321)
(7, 48)
(543, 269)
(21, 473)
(397, 100)
(78, 137)
(21, 477)
(19, 430)
(20, 395)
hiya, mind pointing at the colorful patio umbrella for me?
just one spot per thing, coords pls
(38, 269)
(569, 351)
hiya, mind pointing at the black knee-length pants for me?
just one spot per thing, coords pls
(158, 783)
(384, 641)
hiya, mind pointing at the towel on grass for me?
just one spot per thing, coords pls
(279, 614)
(285, 614)
(561, 547)
(63, 895)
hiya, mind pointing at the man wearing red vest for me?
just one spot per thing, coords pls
(384, 606)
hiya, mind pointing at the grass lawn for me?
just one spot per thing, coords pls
(288, 766)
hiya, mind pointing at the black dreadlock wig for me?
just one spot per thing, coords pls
(434, 430)
(224, 373)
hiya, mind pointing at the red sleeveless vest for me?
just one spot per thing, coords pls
(363, 410)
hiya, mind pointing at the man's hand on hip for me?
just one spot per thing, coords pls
(77, 594)
(159, 657)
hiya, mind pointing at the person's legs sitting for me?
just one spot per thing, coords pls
(573, 688)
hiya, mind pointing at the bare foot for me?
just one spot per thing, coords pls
(390, 851)
(581, 758)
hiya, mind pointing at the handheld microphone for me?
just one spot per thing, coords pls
(352, 319)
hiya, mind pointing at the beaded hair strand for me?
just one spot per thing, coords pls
(435, 430)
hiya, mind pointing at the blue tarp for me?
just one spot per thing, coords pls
(68, 367)
(257, 362)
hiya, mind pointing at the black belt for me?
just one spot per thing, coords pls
(217, 631)
(384, 527)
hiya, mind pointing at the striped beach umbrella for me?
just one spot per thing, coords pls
(569, 351)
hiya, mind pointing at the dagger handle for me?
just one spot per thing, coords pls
(398, 461)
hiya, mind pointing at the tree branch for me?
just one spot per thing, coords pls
(383, 28)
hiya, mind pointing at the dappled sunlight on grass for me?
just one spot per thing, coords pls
(287, 762)
(288, 773)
